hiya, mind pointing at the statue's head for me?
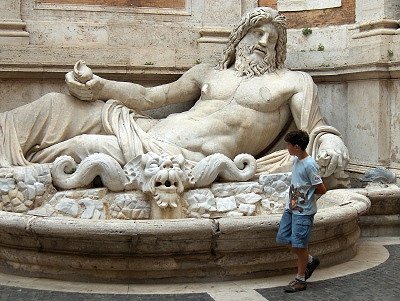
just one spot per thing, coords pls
(257, 44)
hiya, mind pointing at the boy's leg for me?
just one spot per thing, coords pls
(302, 261)
(313, 263)
(301, 232)
(284, 234)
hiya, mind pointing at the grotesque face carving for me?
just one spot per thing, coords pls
(163, 176)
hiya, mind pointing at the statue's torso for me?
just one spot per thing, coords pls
(233, 115)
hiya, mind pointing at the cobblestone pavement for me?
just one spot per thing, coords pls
(29, 294)
(381, 282)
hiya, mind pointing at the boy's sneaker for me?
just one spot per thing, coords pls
(311, 267)
(295, 286)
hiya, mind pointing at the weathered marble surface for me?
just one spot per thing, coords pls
(190, 249)
(243, 106)
(357, 72)
(24, 188)
(152, 187)
(383, 218)
(226, 246)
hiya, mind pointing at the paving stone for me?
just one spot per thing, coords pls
(381, 283)
(20, 294)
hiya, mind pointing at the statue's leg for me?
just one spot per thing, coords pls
(54, 118)
(80, 147)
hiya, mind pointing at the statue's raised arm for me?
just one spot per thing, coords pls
(84, 85)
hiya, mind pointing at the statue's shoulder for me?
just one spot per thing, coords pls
(301, 79)
(200, 70)
(203, 67)
(294, 74)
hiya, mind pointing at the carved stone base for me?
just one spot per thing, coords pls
(171, 250)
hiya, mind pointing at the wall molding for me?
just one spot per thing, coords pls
(301, 5)
(214, 35)
(377, 27)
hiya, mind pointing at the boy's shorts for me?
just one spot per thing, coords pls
(295, 229)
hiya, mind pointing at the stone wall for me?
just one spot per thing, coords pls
(351, 50)
(128, 3)
(312, 13)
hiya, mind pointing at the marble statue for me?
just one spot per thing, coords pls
(242, 106)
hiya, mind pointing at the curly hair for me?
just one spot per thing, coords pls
(250, 20)
(299, 138)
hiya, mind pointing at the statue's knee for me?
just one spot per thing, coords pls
(55, 98)
(78, 142)
(51, 96)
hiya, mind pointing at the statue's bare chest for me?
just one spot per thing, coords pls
(261, 93)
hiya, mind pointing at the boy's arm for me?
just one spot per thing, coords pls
(315, 178)
(320, 188)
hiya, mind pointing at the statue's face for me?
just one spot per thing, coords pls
(262, 40)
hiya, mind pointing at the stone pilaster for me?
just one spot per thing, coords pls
(12, 28)
(376, 10)
(373, 115)
(380, 17)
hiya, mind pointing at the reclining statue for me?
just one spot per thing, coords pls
(243, 105)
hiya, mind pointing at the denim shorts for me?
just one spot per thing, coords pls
(295, 229)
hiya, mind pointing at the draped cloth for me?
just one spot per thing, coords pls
(10, 149)
(120, 121)
(39, 131)
(115, 133)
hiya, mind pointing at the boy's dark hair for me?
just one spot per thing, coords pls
(299, 138)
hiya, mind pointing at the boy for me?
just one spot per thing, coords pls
(297, 220)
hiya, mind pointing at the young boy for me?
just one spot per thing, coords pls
(297, 220)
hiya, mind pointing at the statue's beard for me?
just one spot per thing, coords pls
(245, 66)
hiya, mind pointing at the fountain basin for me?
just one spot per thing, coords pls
(383, 217)
(172, 250)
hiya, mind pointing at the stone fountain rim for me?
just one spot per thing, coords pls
(139, 250)
(341, 202)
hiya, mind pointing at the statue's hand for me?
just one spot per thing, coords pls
(88, 91)
(82, 83)
(333, 155)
